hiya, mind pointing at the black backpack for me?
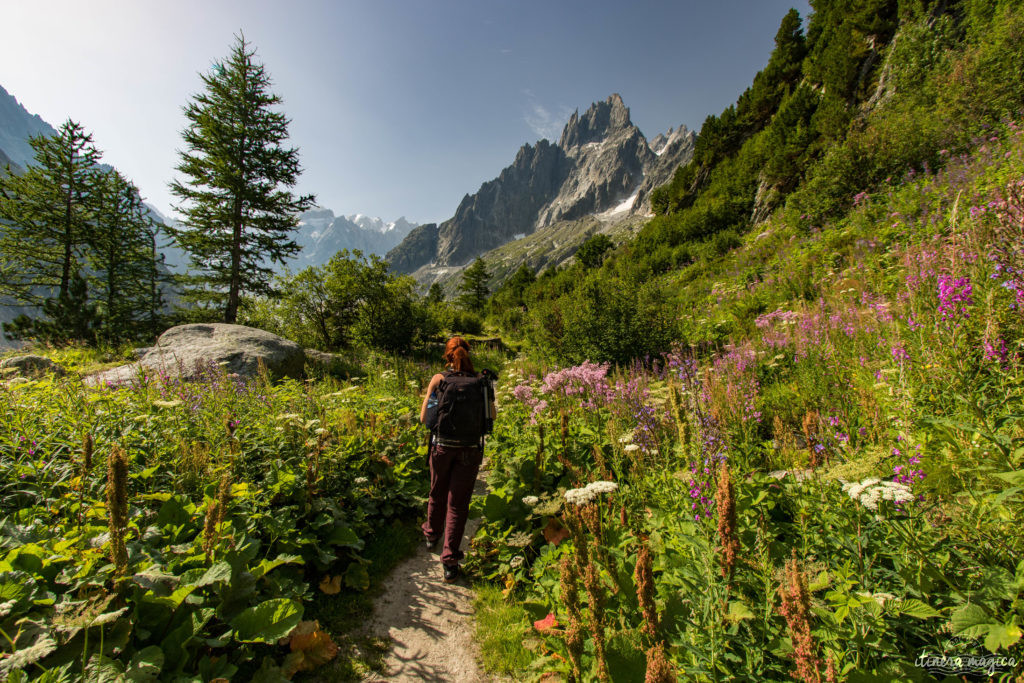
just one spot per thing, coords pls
(462, 408)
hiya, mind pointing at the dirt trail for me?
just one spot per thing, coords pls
(429, 622)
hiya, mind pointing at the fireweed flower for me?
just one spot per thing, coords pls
(908, 473)
(586, 382)
(954, 297)
(900, 354)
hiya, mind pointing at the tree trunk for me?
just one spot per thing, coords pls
(231, 313)
(65, 274)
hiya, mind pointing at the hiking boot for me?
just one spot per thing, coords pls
(430, 543)
(451, 572)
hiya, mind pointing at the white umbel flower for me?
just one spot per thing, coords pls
(631, 448)
(870, 491)
(579, 496)
(590, 492)
(600, 487)
(530, 500)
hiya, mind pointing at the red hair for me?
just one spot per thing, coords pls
(456, 354)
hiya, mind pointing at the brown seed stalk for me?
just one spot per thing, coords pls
(728, 544)
(643, 575)
(659, 669)
(87, 447)
(574, 629)
(796, 608)
(810, 427)
(117, 506)
(595, 600)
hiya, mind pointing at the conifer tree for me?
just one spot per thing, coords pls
(435, 295)
(473, 287)
(123, 259)
(46, 211)
(238, 210)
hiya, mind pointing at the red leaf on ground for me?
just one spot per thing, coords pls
(555, 532)
(546, 623)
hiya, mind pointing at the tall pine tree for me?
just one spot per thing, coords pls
(473, 290)
(123, 259)
(239, 214)
(47, 212)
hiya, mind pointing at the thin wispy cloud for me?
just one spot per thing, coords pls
(545, 122)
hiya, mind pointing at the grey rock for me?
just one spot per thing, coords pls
(418, 248)
(187, 351)
(607, 155)
(140, 352)
(671, 150)
(503, 207)
(30, 366)
(766, 200)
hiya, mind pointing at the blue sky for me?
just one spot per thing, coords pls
(398, 107)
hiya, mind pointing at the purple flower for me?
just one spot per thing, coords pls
(954, 297)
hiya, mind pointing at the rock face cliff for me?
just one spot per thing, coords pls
(601, 164)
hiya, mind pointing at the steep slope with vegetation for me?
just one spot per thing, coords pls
(821, 479)
(872, 91)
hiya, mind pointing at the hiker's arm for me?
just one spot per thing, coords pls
(434, 381)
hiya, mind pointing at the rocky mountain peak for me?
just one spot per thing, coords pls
(598, 122)
(602, 165)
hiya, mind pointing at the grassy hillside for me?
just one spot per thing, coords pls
(812, 435)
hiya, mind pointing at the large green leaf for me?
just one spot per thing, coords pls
(266, 566)
(29, 655)
(1016, 478)
(357, 577)
(268, 621)
(145, 665)
(494, 507)
(1001, 635)
(215, 574)
(342, 535)
(917, 609)
(738, 611)
(970, 621)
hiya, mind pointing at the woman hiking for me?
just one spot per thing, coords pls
(456, 449)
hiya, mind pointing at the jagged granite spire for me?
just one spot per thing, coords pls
(600, 121)
(601, 162)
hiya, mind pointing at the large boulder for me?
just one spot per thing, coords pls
(30, 366)
(190, 351)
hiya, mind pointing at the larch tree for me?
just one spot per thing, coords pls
(46, 213)
(473, 289)
(123, 259)
(239, 212)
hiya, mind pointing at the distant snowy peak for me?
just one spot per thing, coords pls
(322, 234)
(374, 224)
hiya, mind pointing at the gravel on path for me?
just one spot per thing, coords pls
(429, 622)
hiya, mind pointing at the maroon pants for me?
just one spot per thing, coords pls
(453, 473)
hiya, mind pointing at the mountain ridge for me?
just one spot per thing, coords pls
(602, 163)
